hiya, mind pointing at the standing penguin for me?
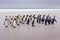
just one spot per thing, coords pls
(23, 19)
(46, 20)
(33, 21)
(30, 17)
(9, 20)
(53, 20)
(43, 19)
(28, 20)
(39, 18)
(18, 19)
(49, 20)
(14, 22)
(6, 22)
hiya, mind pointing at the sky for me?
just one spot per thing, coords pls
(42, 4)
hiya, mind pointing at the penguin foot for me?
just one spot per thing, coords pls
(6, 26)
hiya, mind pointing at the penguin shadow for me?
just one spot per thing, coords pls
(28, 26)
(33, 30)
(49, 28)
(38, 25)
(53, 27)
(7, 29)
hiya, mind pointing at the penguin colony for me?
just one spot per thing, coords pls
(29, 19)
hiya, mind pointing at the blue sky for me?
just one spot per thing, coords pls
(29, 3)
